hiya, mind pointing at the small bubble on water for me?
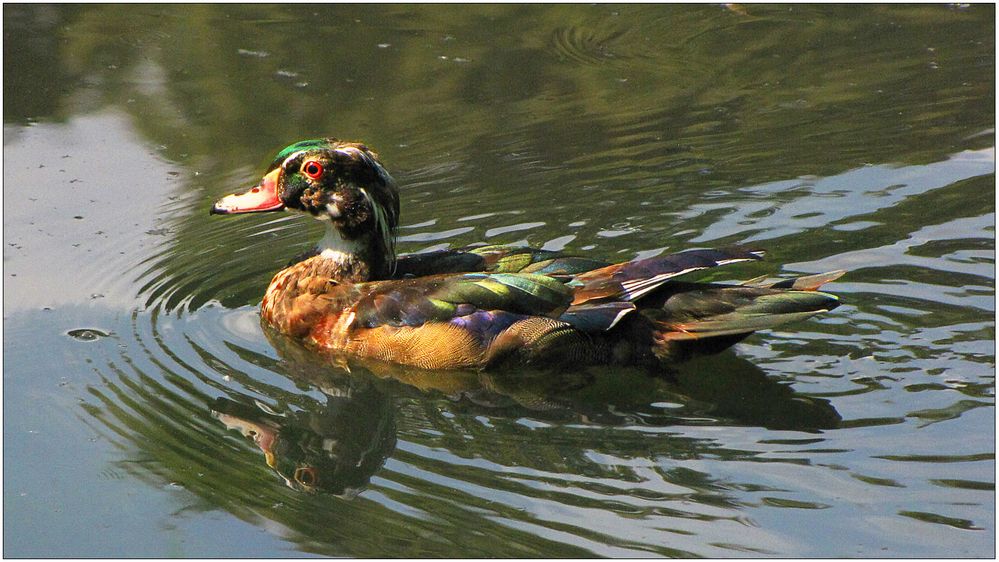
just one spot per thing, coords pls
(87, 334)
(252, 53)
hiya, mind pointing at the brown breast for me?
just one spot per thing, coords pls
(302, 296)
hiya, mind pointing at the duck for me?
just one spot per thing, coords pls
(487, 307)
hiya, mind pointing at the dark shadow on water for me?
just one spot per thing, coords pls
(336, 446)
(739, 390)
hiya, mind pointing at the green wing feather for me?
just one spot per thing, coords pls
(522, 293)
(414, 302)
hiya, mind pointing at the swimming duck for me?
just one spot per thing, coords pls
(475, 308)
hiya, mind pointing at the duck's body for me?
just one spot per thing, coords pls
(479, 307)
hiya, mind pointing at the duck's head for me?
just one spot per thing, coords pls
(331, 180)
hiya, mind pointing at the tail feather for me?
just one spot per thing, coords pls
(716, 311)
(804, 283)
(737, 324)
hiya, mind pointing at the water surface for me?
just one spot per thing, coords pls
(857, 138)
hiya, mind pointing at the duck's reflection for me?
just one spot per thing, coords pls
(336, 446)
(332, 449)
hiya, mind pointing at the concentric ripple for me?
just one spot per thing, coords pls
(583, 45)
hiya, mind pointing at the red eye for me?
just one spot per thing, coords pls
(312, 169)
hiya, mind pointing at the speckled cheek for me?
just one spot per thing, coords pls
(313, 199)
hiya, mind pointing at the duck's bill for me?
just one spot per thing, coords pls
(262, 435)
(259, 199)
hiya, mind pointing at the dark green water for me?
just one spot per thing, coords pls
(858, 138)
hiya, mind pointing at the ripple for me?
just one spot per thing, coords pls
(585, 46)
(512, 228)
(941, 458)
(942, 520)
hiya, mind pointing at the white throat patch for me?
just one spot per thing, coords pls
(334, 247)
